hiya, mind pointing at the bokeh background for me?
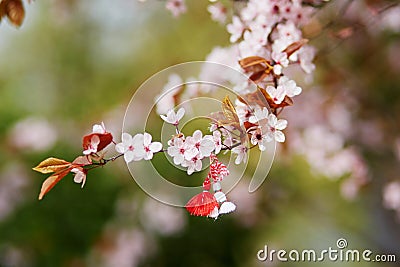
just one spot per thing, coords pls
(76, 63)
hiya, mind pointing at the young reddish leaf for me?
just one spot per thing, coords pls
(82, 161)
(252, 61)
(2, 9)
(255, 64)
(15, 11)
(50, 182)
(294, 47)
(52, 165)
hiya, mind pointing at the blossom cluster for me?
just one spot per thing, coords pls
(266, 40)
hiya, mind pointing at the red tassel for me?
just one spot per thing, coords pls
(202, 204)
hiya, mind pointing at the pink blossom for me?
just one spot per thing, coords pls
(218, 12)
(80, 175)
(289, 86)
(259, 114)
(306, 56)
(92, 146)
(274, 128)
(165, 101)
(177, 7)
(217, 141)
(277, 94)
(179, 150)
(241, 152)
(150, 147)
(194, 164)
(172, 117)
(259, 138)
(391, 196)
(281, 61)
(131, 147)
(236, 29)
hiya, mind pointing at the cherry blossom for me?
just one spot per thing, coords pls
(99, 128)
(172, 117)
(243, 111)
(391, 195)
(260, 139)
(289, 86)
(131, 147)
(306, 56)
(178, 149)
(150, 147)
(97, 140)
(177, 7)
(92, 146)
(217, 141)
(194, 164)
(241, 152)
(274, 128)
(218, 12)
(80, 175)
(281, 61)
(236, 29)
(277, 94)
(204, 145)
(259, 114)
(166, 99)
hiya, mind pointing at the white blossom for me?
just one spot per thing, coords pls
(274, 127)
(241, 152)
(258, 115)
(289, 86)
(218, 12)
(277, 94)
(177, 7)
(80, 176)
(131, 147)
(150, 147)
(236, 29)
(172, 117)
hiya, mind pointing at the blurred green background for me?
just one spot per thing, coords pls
(76, 63)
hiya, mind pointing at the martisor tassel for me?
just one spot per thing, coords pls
(202, 204)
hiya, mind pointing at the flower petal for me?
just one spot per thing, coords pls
(155, 147)
(279, 136)
(272, 120)
(147, 139)
(128, 156)
(126, 138)
(281, 124)
(120, 148)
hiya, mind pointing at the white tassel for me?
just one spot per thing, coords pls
(214, 214)
(227, 207)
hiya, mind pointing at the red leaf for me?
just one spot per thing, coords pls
(15, 12)
(294, 47)
(82, 161)
(50, 182)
